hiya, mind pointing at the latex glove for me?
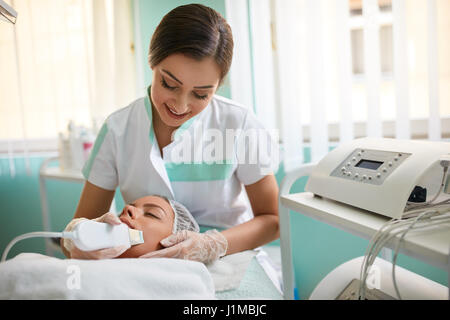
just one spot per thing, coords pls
(107, 253)
(203, 247)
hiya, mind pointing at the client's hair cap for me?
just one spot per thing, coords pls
(183, 219)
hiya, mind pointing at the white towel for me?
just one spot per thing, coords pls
(35, 276)
(228, 271)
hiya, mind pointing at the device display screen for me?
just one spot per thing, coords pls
(369, 164)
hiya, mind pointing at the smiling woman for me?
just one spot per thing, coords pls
(182, 88)
(190, 54)
(186, 76)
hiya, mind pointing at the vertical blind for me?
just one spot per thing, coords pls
(372, 66)
(305, 82)
(403, 130)
(241, 70)
(344, 70)
(434, 125)
(286, 55)
(61, 61)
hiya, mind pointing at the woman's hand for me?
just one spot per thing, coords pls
(203, 247)
(107, 253)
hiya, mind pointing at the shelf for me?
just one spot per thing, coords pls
(57, 173)
(431, 246)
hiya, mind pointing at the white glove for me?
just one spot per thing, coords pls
(203, 247)
(107, 253)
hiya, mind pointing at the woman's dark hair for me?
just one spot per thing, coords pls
(196, 31)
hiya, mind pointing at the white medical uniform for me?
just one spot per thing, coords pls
(126, 155)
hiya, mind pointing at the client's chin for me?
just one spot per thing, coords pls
(140, 249)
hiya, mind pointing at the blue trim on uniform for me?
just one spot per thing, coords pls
(199, 171)
(184, 127)
(148, 108)
(98, 143)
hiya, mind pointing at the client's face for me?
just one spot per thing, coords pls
(152, 215)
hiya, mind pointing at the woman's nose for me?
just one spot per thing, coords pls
(132, 212)
(181, 104)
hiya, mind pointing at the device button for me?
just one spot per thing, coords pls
(343, 169)
(349, 174)
(364, 177)
(356, 175)
(348, 164)
(369, 177)
(353, 159)
(390, 164)
(396, 159)
(384, 170)
(378, 175)
(359, 154)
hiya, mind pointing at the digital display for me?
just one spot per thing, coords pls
(369, 164)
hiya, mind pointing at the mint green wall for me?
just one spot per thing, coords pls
(20, 204)
(20, 210)
(151, 13)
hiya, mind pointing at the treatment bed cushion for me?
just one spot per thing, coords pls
(36, 276)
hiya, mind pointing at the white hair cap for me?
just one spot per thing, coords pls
(183, 219)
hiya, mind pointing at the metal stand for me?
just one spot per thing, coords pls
(285, 230)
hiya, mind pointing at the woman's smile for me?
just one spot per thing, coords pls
(171, 112)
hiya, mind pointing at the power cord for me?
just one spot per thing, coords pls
(392, 229)
(35, 235)
(416, 217)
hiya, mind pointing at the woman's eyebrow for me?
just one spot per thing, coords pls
(204, 87)
(175, 78)
(150, 205)
(172, 76)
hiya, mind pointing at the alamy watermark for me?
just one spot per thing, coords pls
(74, 279)
(241, 146)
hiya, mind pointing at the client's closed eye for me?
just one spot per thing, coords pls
(152, 215)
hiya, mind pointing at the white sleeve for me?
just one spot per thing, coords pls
(100, 169)
(257, 151)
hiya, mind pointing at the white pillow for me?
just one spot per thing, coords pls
(35, 276)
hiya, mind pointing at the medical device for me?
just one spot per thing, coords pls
(385, 176)
(402, 179)
(7, 12)
(89, 235)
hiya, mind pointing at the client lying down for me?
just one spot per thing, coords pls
(158, 218)
(34, 276)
